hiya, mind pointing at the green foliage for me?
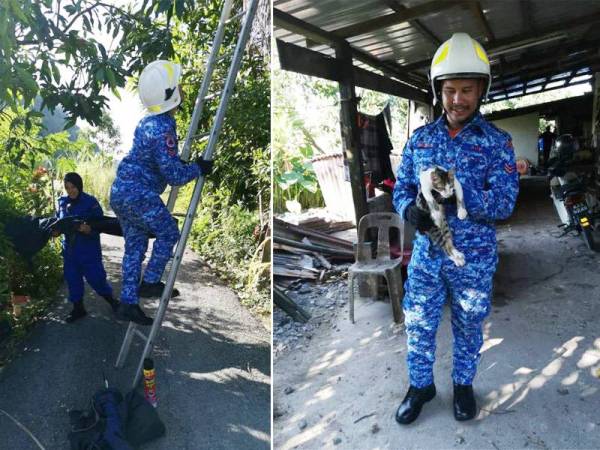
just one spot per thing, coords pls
(306, 124)
(237, 194)
(227, 238)
(40, 281)
(98, 173)
(295, 179)
(242, 156)
(48, 48)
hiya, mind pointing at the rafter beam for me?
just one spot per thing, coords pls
(514, 41)
(288, 22)
(416, 23)
(559, 57)
(526, 80)
(395, 18)
(475, 8)
(308, 62)
(498, 97)
(527, 15)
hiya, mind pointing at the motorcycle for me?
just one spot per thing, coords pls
(575, 205)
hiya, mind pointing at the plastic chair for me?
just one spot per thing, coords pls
(382, 264)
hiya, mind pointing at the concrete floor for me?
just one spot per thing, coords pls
(539, 378)
(212, 360)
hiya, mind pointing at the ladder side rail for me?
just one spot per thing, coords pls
(199, 105)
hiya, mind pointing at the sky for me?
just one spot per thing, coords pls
(126, 112)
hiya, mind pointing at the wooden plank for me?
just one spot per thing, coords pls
(322, 260)
(290, 307)
(279, 271)
(318, 235)
(289, 248)
(308, 62)
(314, 248)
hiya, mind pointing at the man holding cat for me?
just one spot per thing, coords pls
(483, 160)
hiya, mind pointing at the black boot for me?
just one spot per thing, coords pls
(464, 402)
(155, 290)
(114, 304)
(77, 312)
(133, 313)
(410, 408)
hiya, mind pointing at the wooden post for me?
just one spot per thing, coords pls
(596, 111)
(349, 128)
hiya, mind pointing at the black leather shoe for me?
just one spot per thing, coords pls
(149, 290)
(133, 313)
(410, 408)
(464, 402)
(114, 304)
(77, 312)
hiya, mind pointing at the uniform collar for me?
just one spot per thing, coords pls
(476, 123)
(166, 116)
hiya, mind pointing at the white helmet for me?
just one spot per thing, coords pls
(158, 86)
(461, 56)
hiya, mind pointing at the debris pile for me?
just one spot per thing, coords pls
(301, 253)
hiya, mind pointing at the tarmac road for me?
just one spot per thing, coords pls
(212, 361)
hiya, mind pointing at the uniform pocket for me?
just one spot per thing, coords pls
(471, 166)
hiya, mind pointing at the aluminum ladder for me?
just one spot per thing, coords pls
(225, 19)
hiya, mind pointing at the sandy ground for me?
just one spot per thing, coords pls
(537, 385)
(212, 360)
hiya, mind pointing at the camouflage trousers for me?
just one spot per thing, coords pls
(141, 214)
(432, 278)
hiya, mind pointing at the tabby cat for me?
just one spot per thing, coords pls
(437, 184)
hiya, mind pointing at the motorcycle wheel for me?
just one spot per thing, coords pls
(588, 237)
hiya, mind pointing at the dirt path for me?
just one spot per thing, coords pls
(537, 385)
(212, 358)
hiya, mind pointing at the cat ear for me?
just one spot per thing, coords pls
(451, 173)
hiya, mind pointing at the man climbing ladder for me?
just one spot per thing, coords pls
(248, 17)
(142, 176)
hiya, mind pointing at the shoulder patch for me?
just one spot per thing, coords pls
(499, 130)
(171, 143)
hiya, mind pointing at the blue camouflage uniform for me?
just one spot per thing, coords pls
(82, 253)
(484, 160)
(142, 176)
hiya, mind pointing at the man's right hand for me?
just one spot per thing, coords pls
(418, 218)
(205, 166)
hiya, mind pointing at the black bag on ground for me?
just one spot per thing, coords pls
(114, 422)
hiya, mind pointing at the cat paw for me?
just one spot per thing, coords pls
(457, 258)
(462, 214)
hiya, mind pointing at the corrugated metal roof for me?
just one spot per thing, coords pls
(529, 41)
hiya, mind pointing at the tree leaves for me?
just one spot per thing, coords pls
(30, 28)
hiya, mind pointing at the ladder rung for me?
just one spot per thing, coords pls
(140, 334)
(201, 135)
(221, 58)
(213, 95)
(237, 16)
